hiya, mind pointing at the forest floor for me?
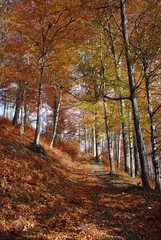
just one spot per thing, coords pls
(62, 197)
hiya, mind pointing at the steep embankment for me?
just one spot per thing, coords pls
(55, 197)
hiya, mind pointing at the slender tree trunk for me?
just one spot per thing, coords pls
(132, 160)
(125, 138)
(94, 140)
(57, 113)
(17, 108)
(109, 143)
(117, 62)
(22, 114)
(85, 138)
(79, 137)
(98, 141)
(110, 149)
(47, 121)
(98, 148)
(155, 157)
(7, 113)
(140, 141)
(27, 111)
(117, 148)
(90, 139)
(136, 156)
(39, 113)
(110, 152)
(4, 110)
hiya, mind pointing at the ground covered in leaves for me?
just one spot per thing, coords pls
(54, 196)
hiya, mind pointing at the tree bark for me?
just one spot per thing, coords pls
(109, 143)
(97, 136)
(26, 113)
(117, 63)
(132, 160)
(94, 136)
(140, 141)
(39, 115)
(79, 136)
(136, 156)
(4, 109)
(155, 157)
(22, 114)
(85, 138)
(56, 117)
(126, 146)
(116, 151)
(17, 108)
(117, 147)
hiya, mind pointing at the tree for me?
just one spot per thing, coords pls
(45, 24)
(146, 44)
(140, 141)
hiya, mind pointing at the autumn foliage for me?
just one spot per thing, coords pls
(80, 134)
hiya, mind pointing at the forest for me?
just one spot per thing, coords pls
(83, 76)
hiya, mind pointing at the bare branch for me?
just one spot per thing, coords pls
(156, 110)
(117, 99)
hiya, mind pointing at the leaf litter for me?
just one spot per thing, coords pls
(61, 197)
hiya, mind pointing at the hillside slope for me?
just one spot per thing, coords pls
(57, 197)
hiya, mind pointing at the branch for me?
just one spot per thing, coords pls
(154, 151)
(154, 112)
(117, 99)
(103, 7)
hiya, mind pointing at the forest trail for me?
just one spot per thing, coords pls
(67, 198)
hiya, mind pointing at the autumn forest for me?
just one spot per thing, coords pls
(80, 90)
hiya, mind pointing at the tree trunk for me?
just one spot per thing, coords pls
(125, 138)
(56, 117)
(17, 108)
(94, 140)
(117, 62)
(39, 113)
(116, 151)
(85, 138)
(79, 137)
(110, 150)
(140, 141)
(22, 113)
(136, 156)
(132, 160)
(94, 136)
(4, 110)
(155, 157)
(117, 148)
(98, 141)
(27, 111)
(109, 143)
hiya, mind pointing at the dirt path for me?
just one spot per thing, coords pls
(116, 227)
(107, 207)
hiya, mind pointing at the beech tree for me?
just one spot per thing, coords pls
(140, 141)
(146, 44)
(45, 24)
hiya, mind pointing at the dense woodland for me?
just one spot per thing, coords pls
(88, 73)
